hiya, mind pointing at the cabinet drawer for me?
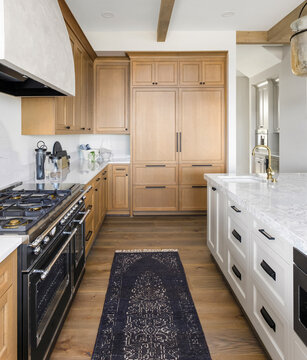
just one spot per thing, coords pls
(120, 169)
(238, 238)
(89, 233)
(275, 242)
(270, 326)
(155, 174)
(194, 174)
(193, 198)
(155, 198)
(273, 275)
(6, 273)
(238, 276)
(237, 213)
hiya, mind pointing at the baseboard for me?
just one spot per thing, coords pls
(178, 213)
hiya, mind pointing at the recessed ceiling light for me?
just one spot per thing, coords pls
(107, 14)
(228, 14)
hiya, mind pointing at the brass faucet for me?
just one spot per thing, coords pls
(269, 170)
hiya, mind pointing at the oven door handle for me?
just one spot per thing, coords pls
(85, 213)
(45, 272)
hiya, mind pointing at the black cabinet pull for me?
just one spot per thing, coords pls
(82, 128)
(236, 272)
(98, 179)
(106, 178)
(89, 129)
(236, 235)
(153, 166)
(202, 165)
(235, 209)
(268, 318)
(96, 189)
(264, 233)
(155, 187)
(180, 142)
(67, 127)
(126, 129)
(213, 188)
(199, 186)
(88, 236)
(153, 83)
(267, 268)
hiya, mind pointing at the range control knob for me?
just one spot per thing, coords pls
(53, 231)
(37, 250)
(46, 239)
(62, 222)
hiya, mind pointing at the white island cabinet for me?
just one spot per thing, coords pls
(256, 258)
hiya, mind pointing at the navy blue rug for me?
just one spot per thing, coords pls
(149, 313)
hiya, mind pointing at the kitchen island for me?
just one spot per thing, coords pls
(253, 226)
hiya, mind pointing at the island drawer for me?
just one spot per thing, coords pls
(270, 325)
(237, 212)
(277, 243)
(238, 237)
(193, 174)
(237, 274)
(155, 174)
(273, 275)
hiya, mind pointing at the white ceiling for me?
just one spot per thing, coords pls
(189, 15)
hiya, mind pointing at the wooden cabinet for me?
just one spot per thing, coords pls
(8, 308)
(176, 125)
(202, 125)
(154, 125)
(118, 201)
(111, 97)
(155, 198)
(67, 114)
(96, 199)
(154, 73)
(208, 72)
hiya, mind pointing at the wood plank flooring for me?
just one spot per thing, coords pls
(227, 332)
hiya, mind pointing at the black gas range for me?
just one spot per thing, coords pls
(51, 259)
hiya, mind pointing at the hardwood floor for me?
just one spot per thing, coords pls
(227, 332)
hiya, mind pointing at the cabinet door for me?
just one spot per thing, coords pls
(90, 103)
(8, 326)
(143, 73)
(120, 187)
(154, 125)
(202, 125)
(112, 99)
(78, 54)
(193, 198)
(84, 92)
(213, 73)
(166, 73)
(190, 73)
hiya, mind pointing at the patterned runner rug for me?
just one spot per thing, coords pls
(149, 313)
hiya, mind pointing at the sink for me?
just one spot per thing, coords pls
(241, 179)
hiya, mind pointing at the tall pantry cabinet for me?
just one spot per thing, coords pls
(178, 129)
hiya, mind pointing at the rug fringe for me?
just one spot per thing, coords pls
(146, 250)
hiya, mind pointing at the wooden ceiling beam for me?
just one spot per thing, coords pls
(281, 32)
(166, 9)
(278, 34)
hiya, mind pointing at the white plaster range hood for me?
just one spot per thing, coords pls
(35, 50)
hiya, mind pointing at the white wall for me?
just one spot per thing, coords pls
(242, 124)
(293, 119)
(17, 156)
(181, 41)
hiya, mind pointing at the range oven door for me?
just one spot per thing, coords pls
(47, 290)
(300, 301)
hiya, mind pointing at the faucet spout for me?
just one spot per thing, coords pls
(269, 169)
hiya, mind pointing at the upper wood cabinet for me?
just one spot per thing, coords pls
(154, 113)
(67, 114)
(111, 97)
(154, 73)
(208, 72)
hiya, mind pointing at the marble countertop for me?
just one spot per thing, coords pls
(282, 206)
(83, 171)
(80, 172)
